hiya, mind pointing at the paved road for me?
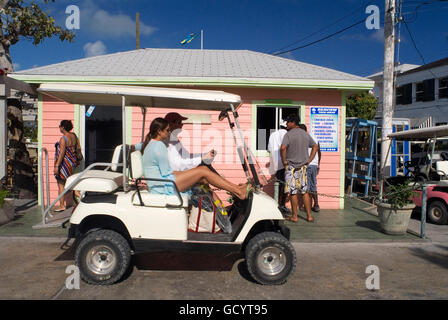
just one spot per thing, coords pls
(34, 268)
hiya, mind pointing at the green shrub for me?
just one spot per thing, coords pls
(400, 195)
(3, 195)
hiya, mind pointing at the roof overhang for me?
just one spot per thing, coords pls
(421, 134)
(354, 85)
(111, 95)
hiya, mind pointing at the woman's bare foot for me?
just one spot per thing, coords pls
(244, 191)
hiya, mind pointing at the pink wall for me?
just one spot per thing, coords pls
(53, 112)
(328, 180)
(329, 176)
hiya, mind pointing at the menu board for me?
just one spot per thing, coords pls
(325, 127)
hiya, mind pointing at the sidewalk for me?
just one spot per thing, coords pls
(356, 223)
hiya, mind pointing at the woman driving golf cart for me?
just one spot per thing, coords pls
(156, 165)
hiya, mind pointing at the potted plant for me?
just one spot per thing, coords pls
(6, 207)
(395, 212)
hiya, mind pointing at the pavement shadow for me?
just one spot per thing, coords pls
(436, 258)
(27, 205)
(186, 261)
(244, 273)
(372, 225)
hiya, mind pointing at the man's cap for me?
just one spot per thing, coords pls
(293, 118)
(174, 116)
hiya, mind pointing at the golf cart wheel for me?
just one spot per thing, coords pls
(270, 258)
(437, 212)
(103, 257)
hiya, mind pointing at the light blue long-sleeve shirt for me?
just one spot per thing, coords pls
(156, 165)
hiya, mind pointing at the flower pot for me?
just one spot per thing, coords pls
(394, 221)
(7, 211)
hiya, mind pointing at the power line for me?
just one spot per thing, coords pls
(320, 40)
(324, 28)
(415, 45)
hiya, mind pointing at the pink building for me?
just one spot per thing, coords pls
(270, 87)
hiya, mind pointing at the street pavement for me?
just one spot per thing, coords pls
(35, 268)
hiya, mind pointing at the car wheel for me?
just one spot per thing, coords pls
(437, 212)
(270, 258)
(103, 257)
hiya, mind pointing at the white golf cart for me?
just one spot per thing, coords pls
(115, 218)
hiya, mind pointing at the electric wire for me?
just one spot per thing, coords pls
(275, 52)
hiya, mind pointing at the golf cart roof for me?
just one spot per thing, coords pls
(111, 95)
(421, 134)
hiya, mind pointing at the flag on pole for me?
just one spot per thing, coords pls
(189, 38)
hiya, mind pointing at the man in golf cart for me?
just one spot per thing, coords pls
(179, 158)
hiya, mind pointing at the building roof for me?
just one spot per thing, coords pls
(435, 64)
(402, 68)
(191, 63)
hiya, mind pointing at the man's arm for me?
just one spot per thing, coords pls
(314, 150)
(180, 159)
(283, 149)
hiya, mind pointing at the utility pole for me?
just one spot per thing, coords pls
(202, 39)
(137, 30)
(388, 85)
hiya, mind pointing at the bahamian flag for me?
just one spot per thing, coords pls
(189, 38)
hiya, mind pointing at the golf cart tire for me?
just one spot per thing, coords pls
(270, 258)
(437, 212)
(108, 246)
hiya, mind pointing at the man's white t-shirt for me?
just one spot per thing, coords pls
(180, 159)
(315, 161)
(274, 144)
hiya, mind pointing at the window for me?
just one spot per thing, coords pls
(425, 90)
(404, 94)
(268, 118)
(443, 88)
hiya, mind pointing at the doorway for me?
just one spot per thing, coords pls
(103, 132)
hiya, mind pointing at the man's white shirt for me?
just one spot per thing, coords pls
(180, 159)
(274, 144)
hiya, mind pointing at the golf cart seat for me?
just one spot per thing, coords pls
(146, 198)
(99, 180)
(442, 168)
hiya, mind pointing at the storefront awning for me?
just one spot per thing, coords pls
(111, 95)
(421, 134)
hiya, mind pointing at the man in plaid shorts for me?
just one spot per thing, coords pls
(295, 159)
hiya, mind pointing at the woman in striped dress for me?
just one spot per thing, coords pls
(65, 160)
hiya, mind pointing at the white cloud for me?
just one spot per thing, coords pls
(369, 35)
(103, 23)
(96, 48)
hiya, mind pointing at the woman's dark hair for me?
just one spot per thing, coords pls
(156, 125)
(67, 125)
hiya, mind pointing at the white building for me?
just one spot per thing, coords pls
(421, 93)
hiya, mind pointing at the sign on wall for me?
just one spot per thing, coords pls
(324, 124)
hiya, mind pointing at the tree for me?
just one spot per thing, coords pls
(20, 20)
(362, 105)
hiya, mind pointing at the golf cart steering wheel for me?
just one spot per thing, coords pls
(410, 167)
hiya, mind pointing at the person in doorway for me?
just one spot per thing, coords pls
(295, 159)
(179, 158)
(156, 165)
(276, 166)
(65, 160)
(312, 172)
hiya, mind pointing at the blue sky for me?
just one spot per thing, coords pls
(108, 26)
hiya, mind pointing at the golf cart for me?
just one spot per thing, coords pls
(117, 218)
(428, 170)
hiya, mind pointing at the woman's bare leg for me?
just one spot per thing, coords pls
(186, 179)
(62, 200)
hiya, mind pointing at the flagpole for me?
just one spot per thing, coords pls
(202, 39)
